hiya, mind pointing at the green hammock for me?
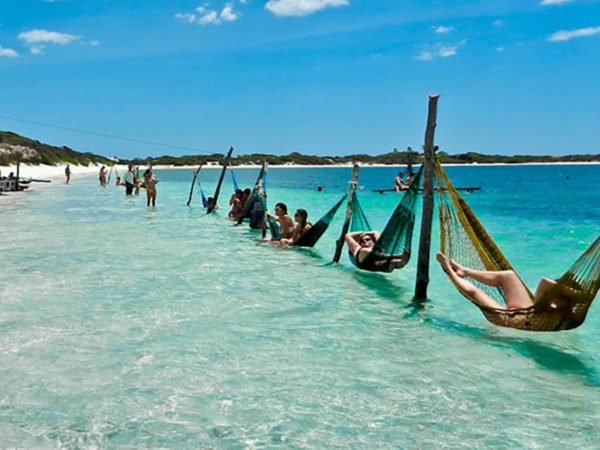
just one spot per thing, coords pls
(251, 210)
(564, 306)
(396, 238)
(310, 237)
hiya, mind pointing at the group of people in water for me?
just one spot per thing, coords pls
(361, 244)
(133, 182)
(289, 231)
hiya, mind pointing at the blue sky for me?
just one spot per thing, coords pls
(325, 77)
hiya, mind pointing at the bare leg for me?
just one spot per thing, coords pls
(515, 293)
(491, 278)
(543, 286)
(401, 261)
(472, 291)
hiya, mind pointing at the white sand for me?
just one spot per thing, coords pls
(45, 172)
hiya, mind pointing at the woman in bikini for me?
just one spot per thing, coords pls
(302, 226)
(515, 293)
(150, 183)
(361, 245)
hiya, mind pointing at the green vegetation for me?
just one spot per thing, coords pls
(14, 147)
(392, 158)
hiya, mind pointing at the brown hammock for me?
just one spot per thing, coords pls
(563, 306)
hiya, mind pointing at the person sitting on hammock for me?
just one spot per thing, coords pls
(361, 245)
(515, 292)
(286, 224)
(302, 226)
(237, 205)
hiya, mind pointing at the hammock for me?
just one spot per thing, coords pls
(202, 195)
(562, 307)
(236, 186)
(254, 209)
(396, 238)
(310, 237)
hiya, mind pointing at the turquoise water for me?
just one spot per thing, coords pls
(128, 327)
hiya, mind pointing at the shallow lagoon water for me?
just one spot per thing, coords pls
(128, 327)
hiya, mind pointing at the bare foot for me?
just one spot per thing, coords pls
(461, 271)
(444, 263)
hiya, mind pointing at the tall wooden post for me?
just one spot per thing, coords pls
(213, 204)
(339, 244)
(427, 216)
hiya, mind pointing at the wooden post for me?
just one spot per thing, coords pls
(339, 244)
(427, 216)
(213, 204)
(193, 184)
(17, 187)
(257, 185)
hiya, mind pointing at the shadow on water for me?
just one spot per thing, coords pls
(380, 284)
(545, 355)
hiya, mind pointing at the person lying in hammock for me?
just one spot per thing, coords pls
(361, 245)
(302, 226)
(515, 292)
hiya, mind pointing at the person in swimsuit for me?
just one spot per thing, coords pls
(286, 224)
(399, 184)
(237, 205)
(102, 176)
(68, 173)
(302, 226)
(150, 183)
(362, 243)
(515, 293)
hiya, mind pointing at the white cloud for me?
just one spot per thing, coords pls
(8, 53)
(186, 17)
(497, 23)
(209, 18)
(442, 51)
(567, 35)
(299, 8)
(46, 37)
(441, 29)
(36, 50)
(228, 14)
(554, 2)
(204, 16)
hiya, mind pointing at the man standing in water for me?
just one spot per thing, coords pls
(68, 173)
(129, 180)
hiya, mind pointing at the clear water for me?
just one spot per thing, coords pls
(127, 327)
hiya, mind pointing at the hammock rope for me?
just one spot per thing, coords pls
(396, 238)
(563, 306)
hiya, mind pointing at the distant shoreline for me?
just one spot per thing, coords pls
(58, 172)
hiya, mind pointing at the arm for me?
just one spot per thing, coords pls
(352, 241)
(298, 234)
